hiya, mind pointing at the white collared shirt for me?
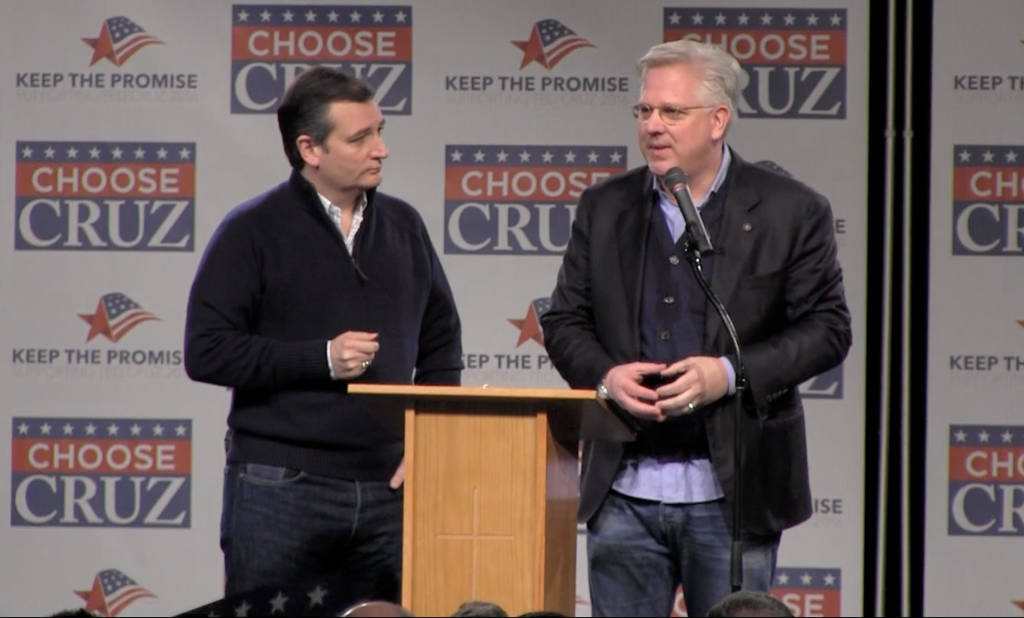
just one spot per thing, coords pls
(334, 212)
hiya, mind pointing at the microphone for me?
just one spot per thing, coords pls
(676, 180)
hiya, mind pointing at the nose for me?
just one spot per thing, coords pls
(380, 151)
(654, 125)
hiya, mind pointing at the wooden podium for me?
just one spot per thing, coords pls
(491, 491)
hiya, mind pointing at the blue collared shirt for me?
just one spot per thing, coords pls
(676, 481)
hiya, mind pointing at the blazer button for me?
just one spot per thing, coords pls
(669, 300)
(665, 335)
(673, 260)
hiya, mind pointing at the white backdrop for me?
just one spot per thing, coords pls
(975, 488)
(128, 130)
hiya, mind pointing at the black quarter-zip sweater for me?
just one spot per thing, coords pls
(275, 284)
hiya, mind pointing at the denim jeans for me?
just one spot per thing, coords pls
(640, 551)
(281, 525)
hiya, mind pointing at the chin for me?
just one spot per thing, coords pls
(658, 168)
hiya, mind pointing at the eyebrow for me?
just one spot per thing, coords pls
(672, 105)
(365, 132)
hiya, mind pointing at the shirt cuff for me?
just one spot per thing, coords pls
(732, 374)
(330, 365)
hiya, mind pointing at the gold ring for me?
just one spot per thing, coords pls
(365, 364)
(691, 407)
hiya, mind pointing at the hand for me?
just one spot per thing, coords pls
(399, 477)
(623, 384)
(702, 380)
(352, 352)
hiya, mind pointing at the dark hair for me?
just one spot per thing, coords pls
(480, 608)
(542, 612)
(305, 106)
(73, 613)
(749, 603)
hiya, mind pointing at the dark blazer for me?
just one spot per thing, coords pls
(775, 270)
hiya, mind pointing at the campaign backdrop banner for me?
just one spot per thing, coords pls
(974, 527)
(129, 130)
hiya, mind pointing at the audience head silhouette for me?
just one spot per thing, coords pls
(480, 608)
(749, 603)
(378, 609)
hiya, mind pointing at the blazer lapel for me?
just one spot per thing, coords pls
(735, 239)
(631, 237)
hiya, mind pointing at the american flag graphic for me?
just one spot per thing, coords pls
(116, 315)
(323, 596)
(529, 327)
(549, 42)
(119, 39)
(111, 592)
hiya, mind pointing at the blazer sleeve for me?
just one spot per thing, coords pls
(569, 329)
(817, 333)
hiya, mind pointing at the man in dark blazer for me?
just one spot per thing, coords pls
(628, 318)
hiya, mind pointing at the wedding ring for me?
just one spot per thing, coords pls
(691, 407)
(365, 364)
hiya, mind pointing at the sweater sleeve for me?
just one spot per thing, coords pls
(220, 347)
(439, 360)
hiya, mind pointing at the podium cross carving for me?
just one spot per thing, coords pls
(475, 536)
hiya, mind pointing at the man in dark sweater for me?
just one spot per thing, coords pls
(317, 283)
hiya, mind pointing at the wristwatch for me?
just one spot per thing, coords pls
(602, 391)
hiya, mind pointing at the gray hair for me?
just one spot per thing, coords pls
(721, 79)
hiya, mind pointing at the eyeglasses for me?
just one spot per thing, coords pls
(669, 114)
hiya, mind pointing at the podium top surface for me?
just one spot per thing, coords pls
(475, 392)
(578, 411)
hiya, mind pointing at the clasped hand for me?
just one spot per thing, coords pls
(700, 380)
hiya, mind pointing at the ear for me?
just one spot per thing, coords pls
(309, 150)
(720, 118)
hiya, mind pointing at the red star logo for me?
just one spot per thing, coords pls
(533, 50)
(1021, 322)
(94, 599)
(529, 327)
(98, 323)
(103, 47)
(1019, 604)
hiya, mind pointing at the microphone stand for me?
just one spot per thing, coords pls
(736, 550)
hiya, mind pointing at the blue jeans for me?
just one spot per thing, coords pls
(640, 551)
(281, 525)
